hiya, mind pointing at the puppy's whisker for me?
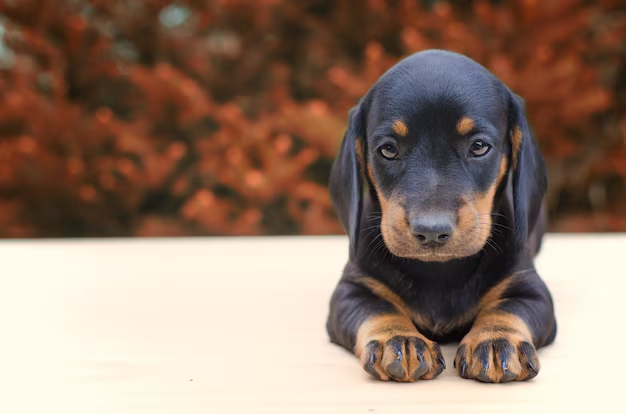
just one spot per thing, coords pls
(492, 230)
(482, 225)
(498, 215)
(494, 245)
(477, 217)
(374, 244)
(489, 244)
(379, 235)
(379, 246)
(376, 226)
(501, 225)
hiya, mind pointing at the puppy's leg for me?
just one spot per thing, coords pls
(381, 334)
(515, 318)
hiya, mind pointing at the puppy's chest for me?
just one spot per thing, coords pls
(445, 314)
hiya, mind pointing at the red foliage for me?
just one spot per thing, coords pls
(158, 118)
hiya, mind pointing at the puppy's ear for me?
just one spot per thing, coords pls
(347, 176)
(529, 176)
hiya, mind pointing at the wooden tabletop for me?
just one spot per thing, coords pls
(236, 325)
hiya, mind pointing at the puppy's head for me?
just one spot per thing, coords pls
(430, 148)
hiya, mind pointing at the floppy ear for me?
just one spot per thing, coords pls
(346, 178)
(529, 177)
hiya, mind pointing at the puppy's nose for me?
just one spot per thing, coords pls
(432, 230)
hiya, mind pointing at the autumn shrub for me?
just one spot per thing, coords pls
(172, 118)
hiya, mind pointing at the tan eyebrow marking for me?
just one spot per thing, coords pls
(400, 128)
(465, 125)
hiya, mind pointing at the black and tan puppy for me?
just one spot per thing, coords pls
(439, 184)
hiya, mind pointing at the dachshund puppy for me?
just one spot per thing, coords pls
(439, 184)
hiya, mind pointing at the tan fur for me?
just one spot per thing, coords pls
(473, 228)
(493, 296)
(360, 156)
(465, 125)
(475, 214)
(483, 204)
(516, 143)
(392, 217)
(471, 235)
(480, 332)
(502, 171)
(400, 128)
(370, 173)
(394, 223)
(509, 327)
(382, 328)
(383, 292)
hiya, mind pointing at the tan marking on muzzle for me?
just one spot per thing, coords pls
(476, 212)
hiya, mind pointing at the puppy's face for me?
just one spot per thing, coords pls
(437, 139)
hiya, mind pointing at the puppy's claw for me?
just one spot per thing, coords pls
(506, 374)
(483, 377)
(532, 370)
(396, 370)
(420, 370)
(463, 369)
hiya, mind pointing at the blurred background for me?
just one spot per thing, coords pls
(222, 117)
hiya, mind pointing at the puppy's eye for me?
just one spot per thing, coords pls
(388, 151)
(479, 148)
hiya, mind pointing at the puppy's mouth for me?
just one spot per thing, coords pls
(406, 248)
(439, 247)
(435, 255)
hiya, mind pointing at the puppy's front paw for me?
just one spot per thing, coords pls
(504, 357)
(402, 358)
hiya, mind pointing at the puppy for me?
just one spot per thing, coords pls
(439, 184)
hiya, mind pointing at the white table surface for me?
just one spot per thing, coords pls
(236, 325)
